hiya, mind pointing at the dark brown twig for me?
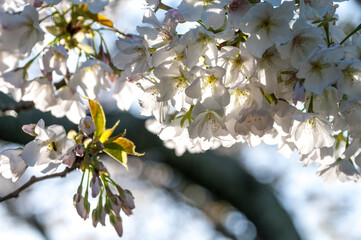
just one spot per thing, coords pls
(33, 180)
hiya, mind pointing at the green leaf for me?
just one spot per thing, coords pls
(107, 133)
(119, 148)
(98, 117)
(127, 146)
(113, 150)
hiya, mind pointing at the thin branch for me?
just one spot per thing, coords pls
(33, 180)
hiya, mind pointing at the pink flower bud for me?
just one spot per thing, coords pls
(116, 221)
(87, 126)
(95, 186)
(115, 204)
(95, 217)
(79, 150)
(80, 206)
(69, 159)
(102, 216)
(128, 201)
(30, 129)
(98, 215)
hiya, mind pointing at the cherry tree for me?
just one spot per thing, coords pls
(278, 72)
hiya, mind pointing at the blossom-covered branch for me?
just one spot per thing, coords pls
(279, 72)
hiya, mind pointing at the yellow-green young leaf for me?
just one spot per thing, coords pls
(119, 148)
(116, 152)
(107, 133)
(104, 20)
(101, 19)
(127, 146)
(98, 117)
(117, 136)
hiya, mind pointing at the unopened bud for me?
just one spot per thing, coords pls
(102, 216)
(79, 150)
(72, 134)
(69, 159)
(81, 206)
(87, 126)
(95, 217)
(116, 221)
(115, 204)
(29, 129)
(95, 186)
(127, 198)
(107, 206)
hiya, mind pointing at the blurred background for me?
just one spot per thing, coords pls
(238, 193)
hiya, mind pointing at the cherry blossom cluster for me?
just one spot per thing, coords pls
(279, 72)
(248, 71)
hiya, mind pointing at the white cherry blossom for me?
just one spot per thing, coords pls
(48, 148)
(148, 101)
(350, 79)
(20, 31)
(267, 26)
(353, 51)
(310, 131)
(305, 38)
(236, 10)
(54, 59)
(173, 81)
(69, 104)
(342, 170)
(91, 78)
(12, 166)
(159, 34)
(207, 127)
(125, 91)
(208, 88)
(211, 13)
(268, 68)
(12, 82)
(133, 56)
(238, 63)
(42, 93)
(320, 70)
(351, 112)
